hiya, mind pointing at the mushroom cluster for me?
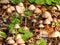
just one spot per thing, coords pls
(16, 40)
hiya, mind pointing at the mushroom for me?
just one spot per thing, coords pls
(18, 36)
(16, 26)
(47, 21)
(21, 4)
(20, 41)
(9, 38)
(46, 14)
(9, 10)
(41, 21)
(10, 41)
(4, 7)
(58, 43)
(31, 7)
(20, 9)
(38, 11)
(0, 43)
(22, 44)
(54, 8)
(4, 1)
(15, 44)
(50, 19)
(34, 21)
(12, 8)
(26, 28)
(44, 33)
(41, 25)
(55, 34)
(58, 7)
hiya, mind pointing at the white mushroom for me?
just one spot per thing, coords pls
(55, 34)
(50, 18)
(31, 7)
(4, 7)
(58, 6)
(46, 15)
(18, 36)
(9, 10)
(15, 44)
(54, 8)
(37, 10)
(47, 21)
(58, 43)
(21, 44)
(20, 9)
(34, 20)
(26, 28)
(12, 8)
(10, 41)
(41, 21)
(16, 26)
(41, 25)
(20, 41)
(43, 33)
(21, 4)
(4, 1)
(9, 38)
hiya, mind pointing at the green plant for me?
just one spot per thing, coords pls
(16, 1)
(15, 20)
(58, 23)
(31, 1)
(41, 42)
(31, 44)
(26, 34)
(2, 34)
(28, 12)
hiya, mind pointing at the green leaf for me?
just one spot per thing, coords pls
(31, 1)
(16, 1)
(41, 42)
(28, 12)
(40, 2)
(15, 20)
(58, 23)
(49, 2)
(31, 44)
(2, 34)
(26, 34)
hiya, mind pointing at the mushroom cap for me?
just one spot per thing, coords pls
(21, 4)
(50, 19)
(41, 21)
(41, 25)
(55, 34)
(47, 21)
(54, 8)
(20, 41)
(26, 28)
(31, 7)
(4, 1)
(10, 41)
(46, 15)
(15, 44)
(34, 20)
(21, 44)
(18, 36)
(43, 33)
(58, 6)
(37, 10)
(16, 26)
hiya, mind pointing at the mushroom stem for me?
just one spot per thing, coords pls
(25, 21)
(33, 24)
(55, 40)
